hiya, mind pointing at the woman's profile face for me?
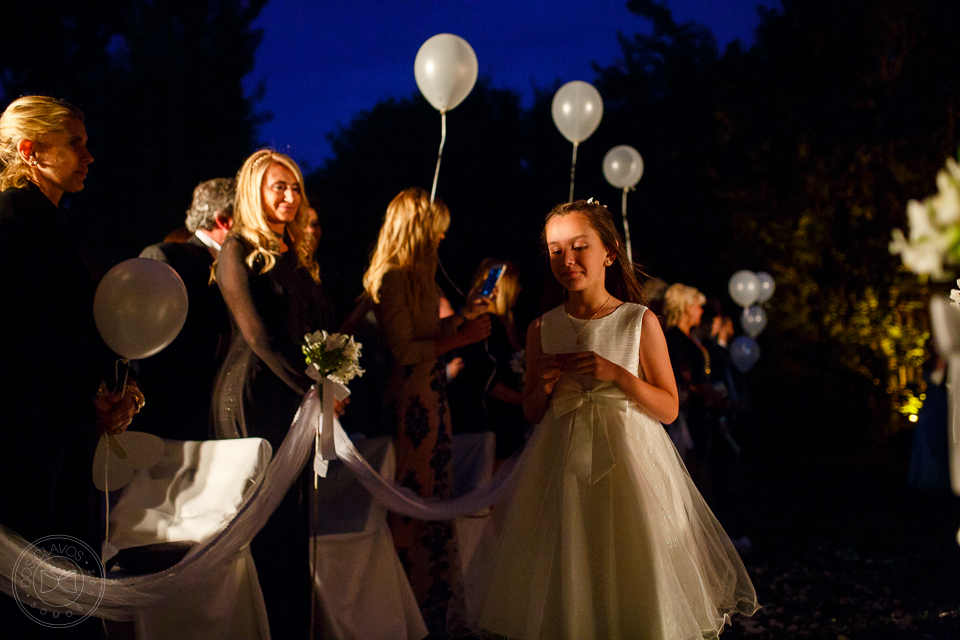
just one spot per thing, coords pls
(62, 158)
(693, 312)
(281, 196)
(313, 229)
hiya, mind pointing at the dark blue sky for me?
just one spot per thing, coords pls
(323, 61)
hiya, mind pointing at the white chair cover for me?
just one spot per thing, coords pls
(189, 495)
(362, 591)
(473, 456)
(124, 599)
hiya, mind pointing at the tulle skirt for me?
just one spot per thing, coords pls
(635, 554)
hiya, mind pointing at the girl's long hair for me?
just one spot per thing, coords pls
(621, 278)
(408, 240)
(250, 219)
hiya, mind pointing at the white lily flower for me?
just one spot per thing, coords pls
(921, 225)
(946, 204)
(953, 168)
(923, 258)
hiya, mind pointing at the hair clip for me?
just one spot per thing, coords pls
(597, 202)
(257, 162)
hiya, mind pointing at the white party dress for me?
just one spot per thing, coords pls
(602, 534)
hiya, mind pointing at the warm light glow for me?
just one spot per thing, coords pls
(589, 107)
(566, 107)
(430, 67)
(913, 417)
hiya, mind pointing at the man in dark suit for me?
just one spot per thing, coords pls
(180, 378)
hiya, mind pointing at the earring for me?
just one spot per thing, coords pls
(608, 262)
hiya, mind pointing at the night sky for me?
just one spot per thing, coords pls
(322, 62)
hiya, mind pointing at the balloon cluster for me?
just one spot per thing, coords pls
(749, 290)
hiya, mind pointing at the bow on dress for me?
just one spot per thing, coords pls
(589, 455)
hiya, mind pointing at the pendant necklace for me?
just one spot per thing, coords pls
(580, 333)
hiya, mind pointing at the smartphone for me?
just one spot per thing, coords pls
(493, 278)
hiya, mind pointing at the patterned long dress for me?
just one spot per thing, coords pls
(415, 408)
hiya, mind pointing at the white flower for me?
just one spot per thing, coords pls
(351, 349)
(946, 204)
(921, 226)
(335, 341)
(955, 295)
(924, 258)
(316, 337)
(953, 168)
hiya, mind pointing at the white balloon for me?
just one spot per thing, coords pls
(753, 320)
(744, 351)
(139, 307)
(577, 110)
(744, 287)
(446, 70)
(623, 166)
(767, 286)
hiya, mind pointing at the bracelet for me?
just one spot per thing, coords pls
(138, 398)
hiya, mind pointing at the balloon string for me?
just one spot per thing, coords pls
(116, 375)
(573, 169)
(443, 138)
(106, 493)
(626, 225)
(450, 280)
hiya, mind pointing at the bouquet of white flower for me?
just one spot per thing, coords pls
(332, 355)
(934, 228)
(333, 361)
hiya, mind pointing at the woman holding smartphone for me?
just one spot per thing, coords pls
(487, 394)
(400, 281)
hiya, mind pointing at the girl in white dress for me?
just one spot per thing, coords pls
(602, 534)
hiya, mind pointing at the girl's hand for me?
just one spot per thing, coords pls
(548, 373)
(589, 363)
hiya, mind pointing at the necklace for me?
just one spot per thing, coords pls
(580, 333)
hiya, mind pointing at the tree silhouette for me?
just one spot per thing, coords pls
(159, 83)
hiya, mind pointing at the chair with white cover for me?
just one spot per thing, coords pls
(473, 457)
(361, 588)
(187, 496)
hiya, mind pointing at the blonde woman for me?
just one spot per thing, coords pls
(50, 424)
(400, 282)
(683, 306)
(269, 279)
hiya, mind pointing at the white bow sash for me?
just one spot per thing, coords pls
(589, 455)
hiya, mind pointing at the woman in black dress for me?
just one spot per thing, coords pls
(52, 354)
(691, 368)
(271, 285)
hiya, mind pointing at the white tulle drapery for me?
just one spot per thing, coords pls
(118, 599)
